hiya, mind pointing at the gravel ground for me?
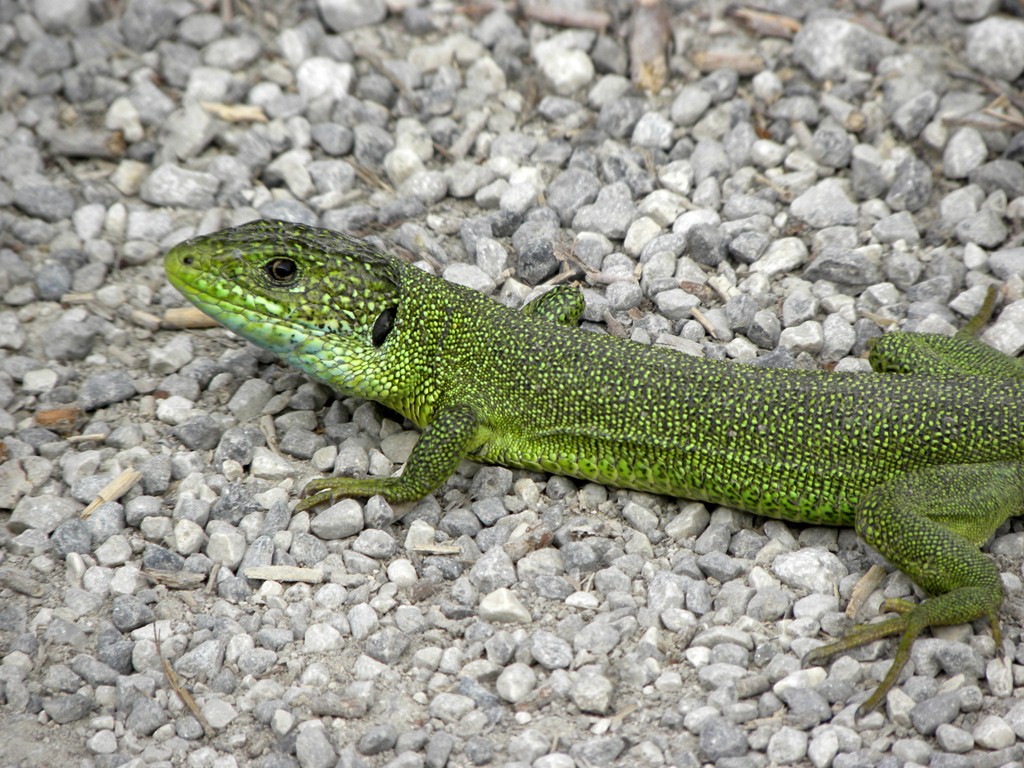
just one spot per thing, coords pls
(783, 205)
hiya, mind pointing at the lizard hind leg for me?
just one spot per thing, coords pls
(930, 523)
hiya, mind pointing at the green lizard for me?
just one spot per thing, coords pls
(924, 457)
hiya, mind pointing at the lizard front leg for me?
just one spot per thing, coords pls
(443, 444)
(929, 524)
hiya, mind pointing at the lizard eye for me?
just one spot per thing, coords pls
(382, 326)
(281, 270)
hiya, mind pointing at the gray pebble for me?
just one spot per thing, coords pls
(375, 543)
(377, 740)
(965, 151)
(1001, 174)
(610, 214)
(130, 613)
(720, 739)
(913, 115)
(67, 709)
(203, 662)
(145, 717)
(339, 521)
(592, 692)
(806, 705)
(928, 715)
(201, 433)
(71, 536)
(985, 228)
(844, 266)
(343, 15)
(48, 202)
(493, 570)
(690, 104)
(550, 651)
(995, 47)
(41, 513)
(307, 550)
(570, 191)
(170, 185)
(911, 188)
(313, 748)
(93, 671)
(105, 388)
(387, 645)
(824, 205)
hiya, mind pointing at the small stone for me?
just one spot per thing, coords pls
(200, 433)
(516, 682)
(610, 214)
(203, 662)
(249, 399)
(321, 638)
(269, 466)
(815, 570)
(831, 47)
(114, 551)
(720, 738)
(570, 190)
(105, 388)
(965, 151)
(787, 746)
(47, 202)
(653, 130)
(102, 743)
(42, 513)
(592, 693)
(845, 266)
(783, 255)
(344, 15)
(67, 709)
(339, 521)
(985, 228)
(953, 739)
(995, 47)
(502, 605)
(690, 104)
(567, 70)
(911, 188)
(551, 651)
(826, 204)
(146, 716)
(451, 707)
(226, 547)
(375, 543)
(387, 645)
(929, 714)
(493, 570)
(913, 115)
(170, 185)
(380, 738)
(313, 749)
(993, 732)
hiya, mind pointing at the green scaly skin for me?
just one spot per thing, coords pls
(923, 458)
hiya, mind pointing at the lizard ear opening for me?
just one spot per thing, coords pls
(383, 325)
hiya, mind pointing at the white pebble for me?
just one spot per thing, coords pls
(402, 573)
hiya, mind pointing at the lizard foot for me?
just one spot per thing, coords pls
(314, 497)
(909, 623)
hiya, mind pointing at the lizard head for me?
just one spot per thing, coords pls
(323, 301)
